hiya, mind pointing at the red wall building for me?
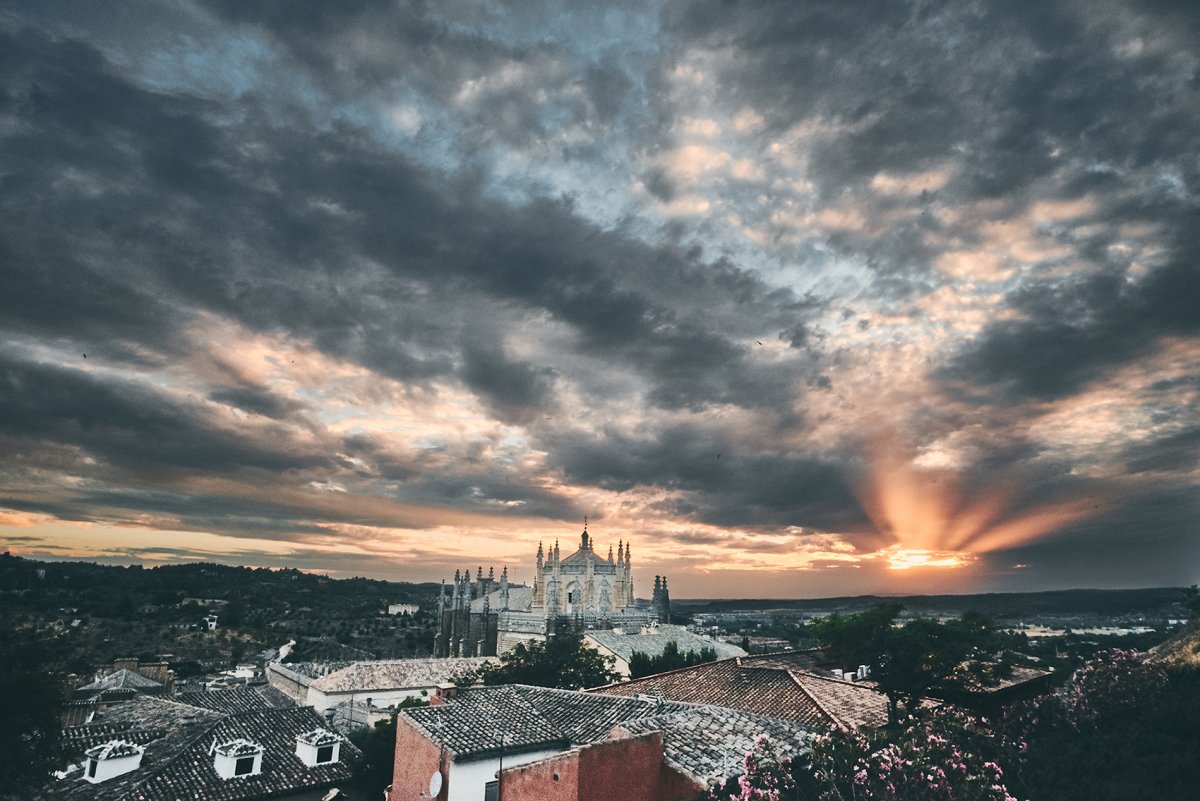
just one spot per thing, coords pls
(625, 769)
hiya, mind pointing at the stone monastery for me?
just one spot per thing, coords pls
(581, 591)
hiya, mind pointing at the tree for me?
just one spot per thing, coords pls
(671, 658)
(30, 736)
(855, 639)
(561, 661)
(373, 772)
(909, 661)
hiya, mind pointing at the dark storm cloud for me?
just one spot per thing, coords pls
(132, 427)
(518, 93)
(514, 390)
(725, 484)
(1012, 95)
(270, 232)
(413, 190)
(1100, 552)
(257, 401)
(1076, 332)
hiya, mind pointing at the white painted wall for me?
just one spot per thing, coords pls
(468, 778)
(382, 698)
(112, 767)
(619, 664)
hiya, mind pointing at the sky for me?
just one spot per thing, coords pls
(799, 299)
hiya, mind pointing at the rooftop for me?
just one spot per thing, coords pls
(237, 699)
(654, 642)
(123, 680)
(707, 743)
(380, 674)
(520, 599)
(528, 717)
(770, 685)
(113, 749)
(177, 763)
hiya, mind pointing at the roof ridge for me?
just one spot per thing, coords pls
(813, 698)
(664, 673)
(829, 678)
(158, 766)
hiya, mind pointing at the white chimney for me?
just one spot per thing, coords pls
(237, 758)
(318, 747)
(112, 759)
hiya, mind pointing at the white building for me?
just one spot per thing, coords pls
(403, 609)
(385, 682)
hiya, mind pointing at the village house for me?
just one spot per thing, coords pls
(792, 685)
(224, 745)
(786, 685)
(114, 684)
(385, 682)
(403, 609)
(525, 743)
(621, 644)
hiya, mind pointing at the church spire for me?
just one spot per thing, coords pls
(584, 538)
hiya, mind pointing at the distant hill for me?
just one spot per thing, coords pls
(100, 589)
(95, 613)
(1163, 602)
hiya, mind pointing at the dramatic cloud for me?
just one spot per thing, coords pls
(842, 297)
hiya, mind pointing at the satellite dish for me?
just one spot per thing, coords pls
(435, 784)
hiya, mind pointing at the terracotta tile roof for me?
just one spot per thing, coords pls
(123, 679)
(113, 749)
(586, 718)
(848, 703)
(529, 717)
(380, 674)
(237, 699)
(808, 659)
(192, 775)
(1020, 674)
(177, 764)
(728, 683)
(770, 686)
(321, 736)
(655, 642)
(471, 724)
(707, 743)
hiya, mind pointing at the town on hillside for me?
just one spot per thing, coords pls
(562, 679)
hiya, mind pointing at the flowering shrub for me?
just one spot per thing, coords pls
(1122, 728)
(948, 755)
(765, 777)
(1113, 683)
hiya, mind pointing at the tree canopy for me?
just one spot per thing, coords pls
(671, 658)
(30, 736)
(907, 661)
(562, 661)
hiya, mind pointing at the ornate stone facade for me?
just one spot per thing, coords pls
(584, 590)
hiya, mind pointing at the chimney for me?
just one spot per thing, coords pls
(443, 693)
